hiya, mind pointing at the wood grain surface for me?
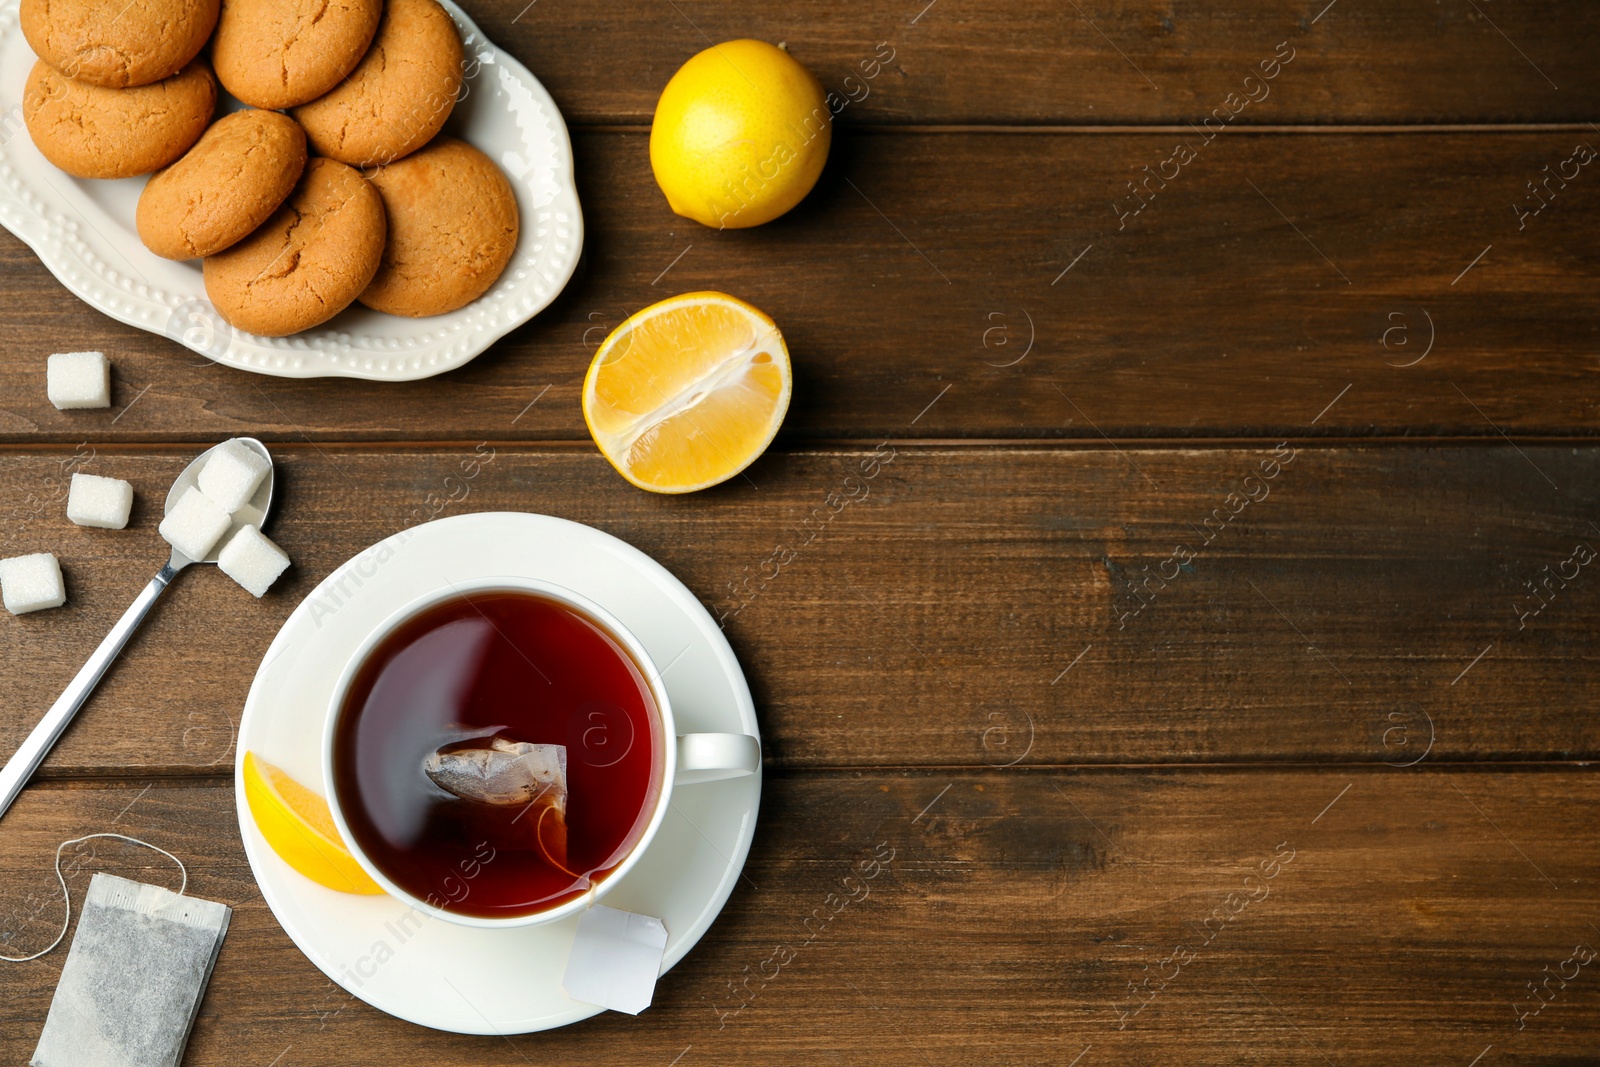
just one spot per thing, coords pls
(1087, 62)
(1272, 273)
(1175, 562)
(953, 607)
(1233, 915)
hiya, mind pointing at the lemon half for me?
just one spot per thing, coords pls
(688, 392)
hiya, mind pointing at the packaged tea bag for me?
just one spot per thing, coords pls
(133, 980)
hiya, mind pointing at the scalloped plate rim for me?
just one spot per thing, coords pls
(146, 310)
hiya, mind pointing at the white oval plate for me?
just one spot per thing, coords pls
(83, 232)
(495, 981)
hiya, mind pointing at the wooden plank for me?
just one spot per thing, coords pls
(993, 266)
(1365, 917)
(1093, 62)
(946, 607)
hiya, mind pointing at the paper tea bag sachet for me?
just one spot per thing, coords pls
(133, 981)
(511, 774)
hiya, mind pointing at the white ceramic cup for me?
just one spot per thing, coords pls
(681, 759)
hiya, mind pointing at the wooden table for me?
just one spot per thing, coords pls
(1200, 648)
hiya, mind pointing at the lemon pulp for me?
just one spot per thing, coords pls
(688, 392)
(299, 826)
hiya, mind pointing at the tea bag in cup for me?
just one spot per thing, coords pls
(511, 773)
(133, 980)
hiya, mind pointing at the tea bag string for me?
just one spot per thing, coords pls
(66, 895)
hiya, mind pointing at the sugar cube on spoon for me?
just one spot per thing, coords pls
(253, 560)
(232, 474)
(195, 524)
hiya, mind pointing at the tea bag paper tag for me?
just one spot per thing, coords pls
(615, 959)
(131, 987)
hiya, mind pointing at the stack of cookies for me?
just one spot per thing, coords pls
(330, 187)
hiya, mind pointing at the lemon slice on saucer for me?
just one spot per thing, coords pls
(688, 392)
(299, 827)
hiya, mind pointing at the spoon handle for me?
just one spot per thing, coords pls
(20, 767)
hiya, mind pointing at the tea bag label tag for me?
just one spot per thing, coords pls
(615, 959)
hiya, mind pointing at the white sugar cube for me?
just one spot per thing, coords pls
(78, 380)
(99, 502)
(252, 560)
(29, 583)
(233, 472)
(195, 524)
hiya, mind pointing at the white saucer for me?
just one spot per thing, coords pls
(478, 981)
(83, 231)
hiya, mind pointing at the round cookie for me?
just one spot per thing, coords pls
(452, 228)
(400, 95)
(306, 263)
(282, 53)
(114, 45)
(92, 132)
(234, 177)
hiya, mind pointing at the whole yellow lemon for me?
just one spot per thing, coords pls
(740, 135)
